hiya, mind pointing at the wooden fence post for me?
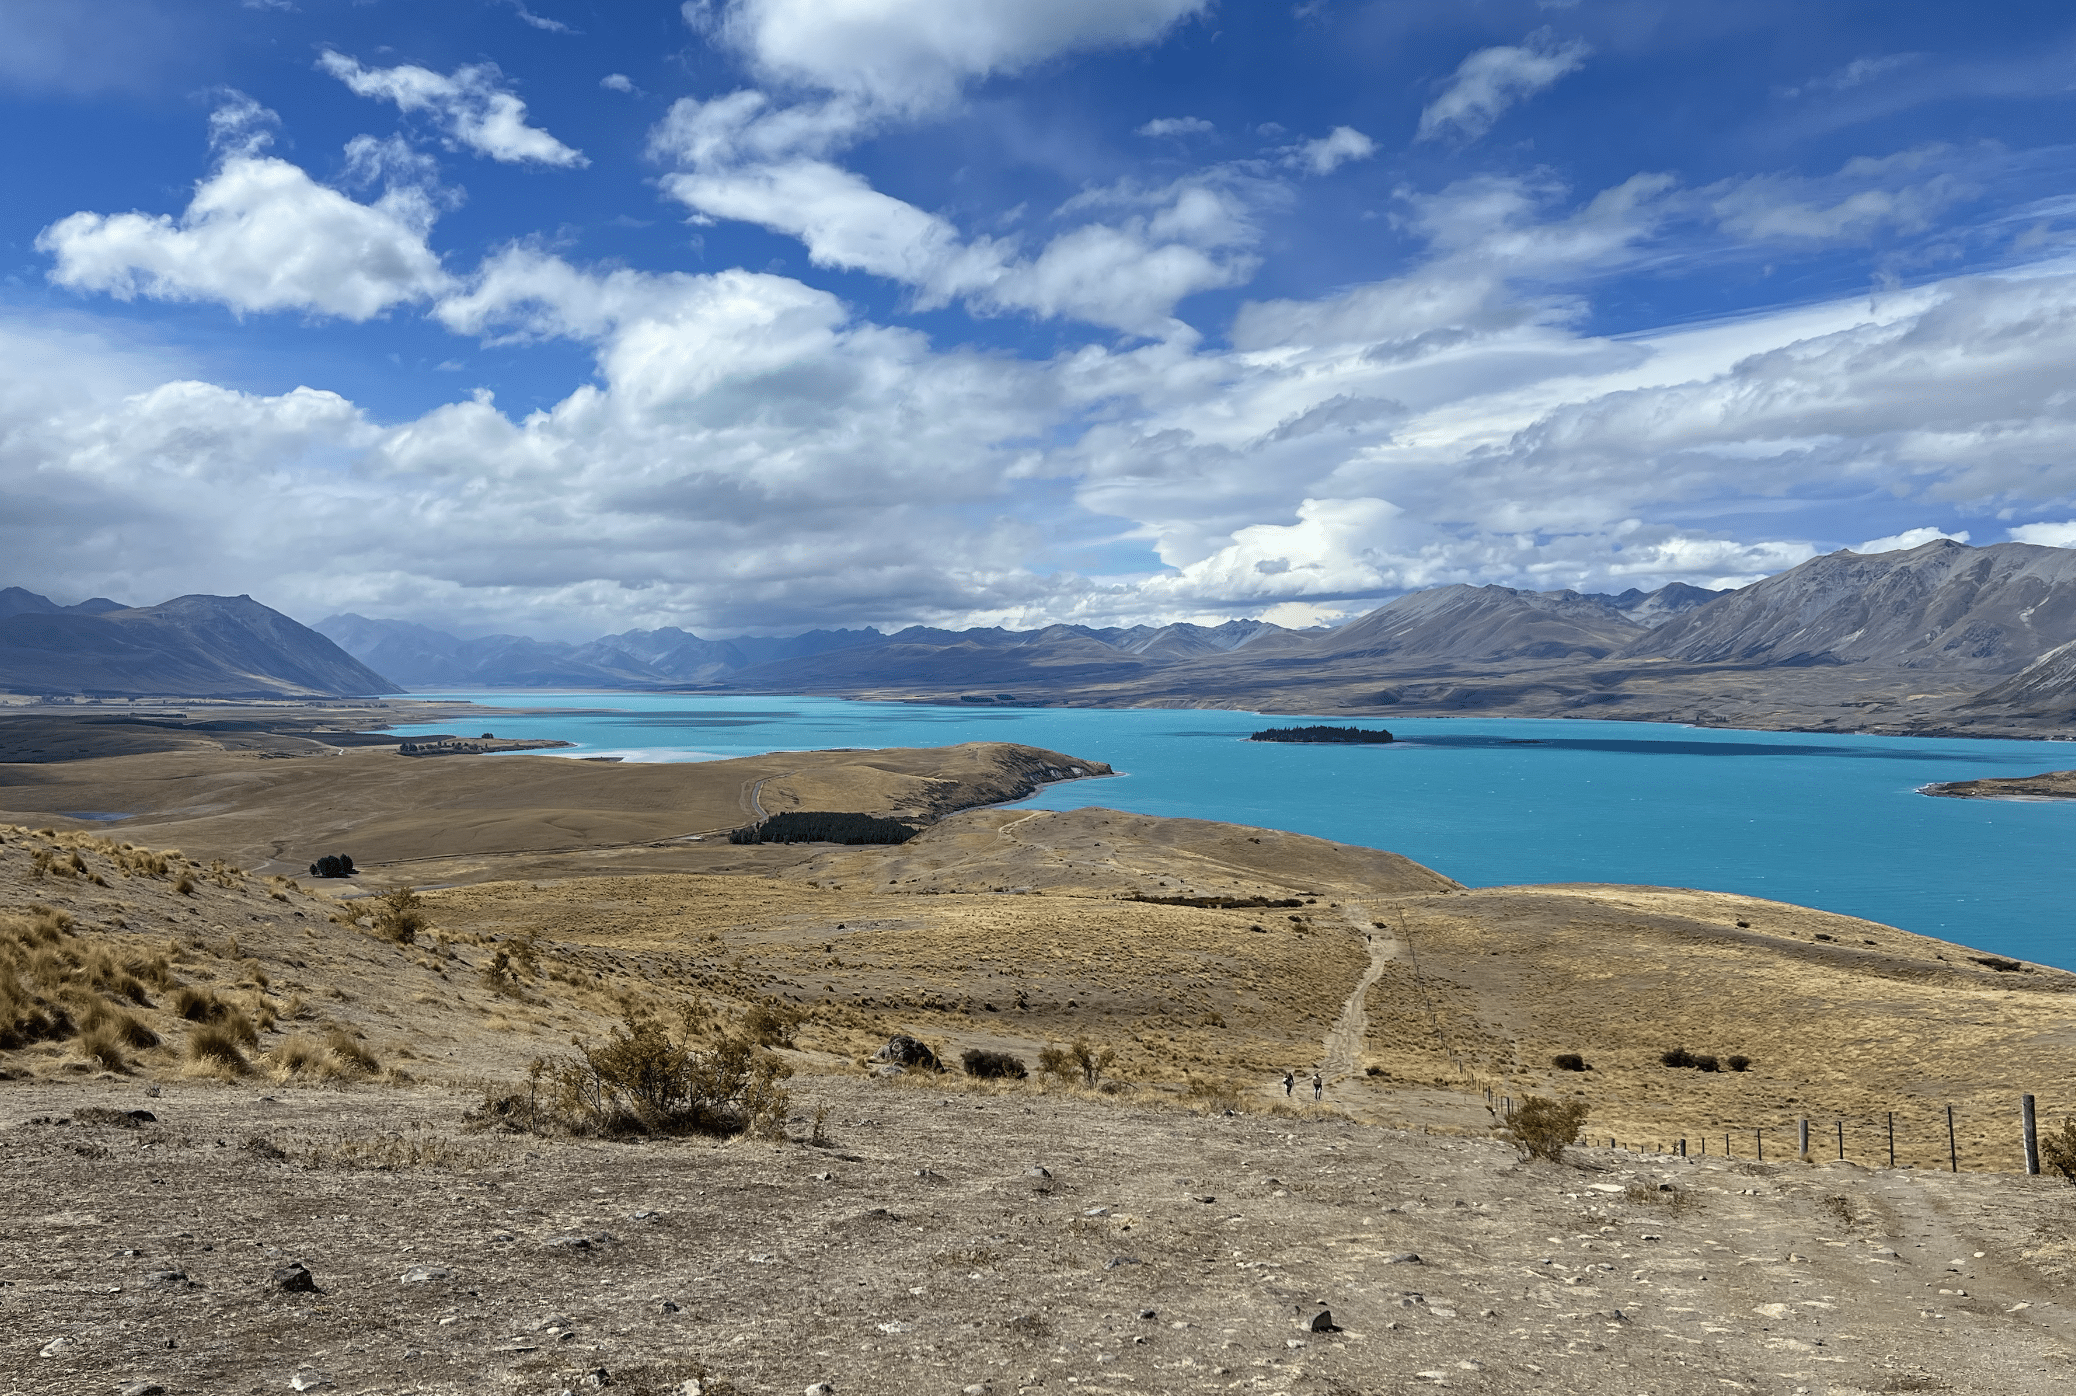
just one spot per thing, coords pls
(1759, 1140)
(1892, 1139)
(1802, 1136)
(1841, 1141)
(2032, 1134)
(1953, 1156)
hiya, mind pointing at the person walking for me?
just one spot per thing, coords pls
(1289, 1083)
(1318, 1085)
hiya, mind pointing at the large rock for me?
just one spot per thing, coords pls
(905, 1051)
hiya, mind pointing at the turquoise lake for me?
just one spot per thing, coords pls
(1825, 821)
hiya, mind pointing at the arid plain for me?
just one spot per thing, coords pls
(891, 1231)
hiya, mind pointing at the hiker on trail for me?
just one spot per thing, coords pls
(1318, 1085)
(1289, 1083)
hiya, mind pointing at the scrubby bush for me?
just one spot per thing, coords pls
(2058, 1150)
(400, 915)
(1570, 1061)
(993, 1066)
(1738, 1063)
(332, 865)
(1677, 1057)
(1541, 1128)
(770, 1023)
(642, 1080)
(1080, 1061)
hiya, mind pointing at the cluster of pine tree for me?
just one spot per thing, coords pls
(822, 826)
(1353, 736)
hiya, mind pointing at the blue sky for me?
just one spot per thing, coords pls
(759, 315)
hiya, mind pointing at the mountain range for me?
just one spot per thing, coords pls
(1942, 637)
(190, 647)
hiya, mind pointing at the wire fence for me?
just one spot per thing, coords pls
(1948, 1137)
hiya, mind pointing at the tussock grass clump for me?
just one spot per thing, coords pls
(1570, 1061)
(642, 1080)
(1214, 1095)
(218, 1046)
(1542, 1128)
(337, 1056)
(54, 986)
(998, 1066)
(102, 1045)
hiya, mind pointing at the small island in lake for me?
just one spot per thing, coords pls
(2048, 785)
(1345, 736)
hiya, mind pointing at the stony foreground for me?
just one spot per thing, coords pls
(919, 1249)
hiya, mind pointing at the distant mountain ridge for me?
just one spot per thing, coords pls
(423, 658)
(189, 647)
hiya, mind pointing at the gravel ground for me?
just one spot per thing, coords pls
(917, 1250)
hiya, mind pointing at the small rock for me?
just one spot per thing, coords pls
(929, 1175)
(1794, 1259)
(1202, 1197)
(1096, 1212)
(1323, 1322)
(421, 1274)
(641, 1216)
(979, 1388)
(1293, 1342)
(823, 1177)
(1405, 1258)
(294, 1278)
(57, 1347)
(141, 1388)
(690, 1386)
(309, 1379)
(143, 1117)
(665, 1306)
(1117, 1260)
(1039, 1172)
(575, 1242)
(597, 1379)
(167, 1277)
(1149, 1313)
(822, 1388)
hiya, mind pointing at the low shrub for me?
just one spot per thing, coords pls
(1080, 1061)
(2058, 1150)
(1677, 1057)
(400, 915)
(332, 865)
(993, 1066)
(642, 1080)
(770, 1023)
(1738, 1063)
(1541, 1128)
(1570, 1061)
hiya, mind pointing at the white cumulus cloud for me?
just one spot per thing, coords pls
(472, 105)
(909, 55)
(1331, 151)
(259, 235)
(1909, 538)
(2046, 535)
(1176, 126)
(1494, 79)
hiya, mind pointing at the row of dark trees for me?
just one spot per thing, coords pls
(823, 826)
(1345, 736)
